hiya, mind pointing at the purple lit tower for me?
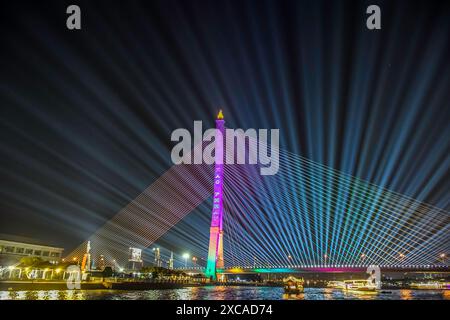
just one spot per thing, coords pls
(215, 252)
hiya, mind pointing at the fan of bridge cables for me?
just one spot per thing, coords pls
(306, 214)
(309, 214)
(176, 193)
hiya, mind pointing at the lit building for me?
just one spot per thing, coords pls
(135, 261)
(12, 251)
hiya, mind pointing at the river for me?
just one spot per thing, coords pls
(224, 293)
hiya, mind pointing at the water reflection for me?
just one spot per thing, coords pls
(293, 296)
(406, 294)
(222, 293)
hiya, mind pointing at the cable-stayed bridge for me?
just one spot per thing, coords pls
(307, 217)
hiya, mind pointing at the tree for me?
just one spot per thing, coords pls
(31, 261)
(107, 272)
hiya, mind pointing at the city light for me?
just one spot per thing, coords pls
(185, 257)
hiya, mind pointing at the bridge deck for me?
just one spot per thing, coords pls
(323, 269)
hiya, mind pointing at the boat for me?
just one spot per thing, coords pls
(336, 284)
(360, 286)
(293, 285)
(430, 285)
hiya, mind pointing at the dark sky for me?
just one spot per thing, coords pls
(86, 116)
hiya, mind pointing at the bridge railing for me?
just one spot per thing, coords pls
(318, 267)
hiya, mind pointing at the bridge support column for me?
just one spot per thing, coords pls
(215, 251)
(214, 239)
(220, 264)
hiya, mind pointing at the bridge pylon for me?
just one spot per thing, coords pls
(215, 250)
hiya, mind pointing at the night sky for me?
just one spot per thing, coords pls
(86, 116)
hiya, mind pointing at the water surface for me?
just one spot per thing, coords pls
(221, 293)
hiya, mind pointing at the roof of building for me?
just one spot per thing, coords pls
(26, 240)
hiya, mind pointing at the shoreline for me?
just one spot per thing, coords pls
(139, 286)
(110, 285)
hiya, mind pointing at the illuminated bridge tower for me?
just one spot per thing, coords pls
(215, 251)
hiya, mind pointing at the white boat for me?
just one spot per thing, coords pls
(360, 286)
(429, 285)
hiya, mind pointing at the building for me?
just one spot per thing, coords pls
(135, 261)
(12, 250)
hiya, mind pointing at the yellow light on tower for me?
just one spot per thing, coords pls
(220, 115)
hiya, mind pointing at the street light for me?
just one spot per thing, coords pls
(185, 257)
(289, 259)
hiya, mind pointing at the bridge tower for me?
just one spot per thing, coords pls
(215, 251)
(86, 262)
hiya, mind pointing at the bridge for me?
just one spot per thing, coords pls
(306, 218)
(320, 269)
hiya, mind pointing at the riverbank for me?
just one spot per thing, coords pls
(223, 293)
(115, 285)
